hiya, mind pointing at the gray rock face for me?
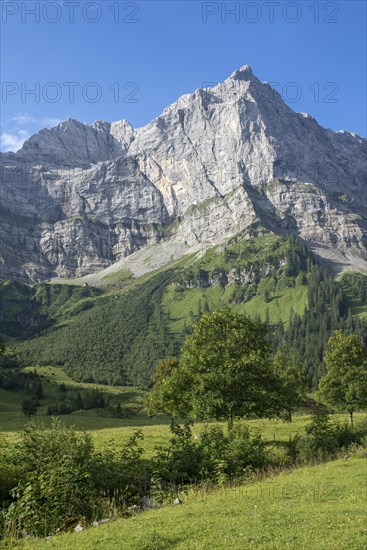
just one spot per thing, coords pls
(77, 198)
(74, 143)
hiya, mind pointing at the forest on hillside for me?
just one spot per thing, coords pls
(118, 336)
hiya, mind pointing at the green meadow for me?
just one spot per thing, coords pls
(111, 431)
(319, 508)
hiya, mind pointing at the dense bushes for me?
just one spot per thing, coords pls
(9, 477)
(55, 484)
(213, 455)
(231, 455)
(324, 439)
(121, 475)
(53, 478)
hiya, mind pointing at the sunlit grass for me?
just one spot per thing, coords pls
(321, 507)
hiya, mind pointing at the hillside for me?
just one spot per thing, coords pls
(82, 404)
(115, 333)
(281, 512)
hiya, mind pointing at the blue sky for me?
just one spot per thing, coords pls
(108, 60)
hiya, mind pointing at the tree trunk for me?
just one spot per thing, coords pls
(351, 419)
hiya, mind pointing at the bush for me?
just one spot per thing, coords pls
(181, 461)
(279, 456)
(324, 439)
(122, 478)
(9, 478)
(233, 455)
(53, 479)
(345, 435)
(361, 429)
(320, 441)
(55, 485)
(213, 455)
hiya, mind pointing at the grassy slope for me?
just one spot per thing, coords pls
(320, 507)
(357, 304)
(65, 304)
(86, 309)
(129, 397)
(179, 305)
(96, 313)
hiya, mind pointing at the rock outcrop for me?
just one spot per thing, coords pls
(77, 198)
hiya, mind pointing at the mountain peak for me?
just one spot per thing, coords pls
(236, 150)
(243, 73)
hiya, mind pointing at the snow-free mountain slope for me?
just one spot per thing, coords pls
(77, 198)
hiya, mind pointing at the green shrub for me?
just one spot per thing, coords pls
(361, 428)
(181, 461)
(324, 439)
(245, 452)
(214, 445)
(345, 435)
(122, 477)
(53, 479)
(9, 478)
(320, 440)
(279, 456)
(56, 484)
(212, 456)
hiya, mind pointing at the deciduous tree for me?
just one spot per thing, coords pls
(290, 373)
(345, 384)
(224, 372)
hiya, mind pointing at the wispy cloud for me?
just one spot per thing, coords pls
(22, 119)
(13, 141)
(20, 127)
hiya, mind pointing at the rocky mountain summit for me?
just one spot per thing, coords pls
(233, 158)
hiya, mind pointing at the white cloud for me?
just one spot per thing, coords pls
(20, 127)
(23, 119)
(13, 141)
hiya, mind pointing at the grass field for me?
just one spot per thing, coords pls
(109, 431)
(130, 398)
(319, 507)
(157, 433)
(311, 508)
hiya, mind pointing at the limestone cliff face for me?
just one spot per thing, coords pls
(77, 198)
